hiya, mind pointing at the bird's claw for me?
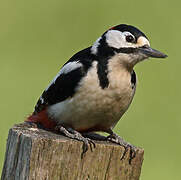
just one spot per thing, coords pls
(132, 150)
(86, 143)
(73, 134)
(127, 146)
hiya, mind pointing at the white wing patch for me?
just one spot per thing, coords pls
(70, 67)
(41, 99)
(94, 48)
(67, 68)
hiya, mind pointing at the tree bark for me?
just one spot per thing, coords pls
(36, 154)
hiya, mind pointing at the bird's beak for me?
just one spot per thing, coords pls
(149, 52)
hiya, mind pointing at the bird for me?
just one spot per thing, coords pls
(95, 87)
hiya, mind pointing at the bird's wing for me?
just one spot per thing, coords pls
(66, 81)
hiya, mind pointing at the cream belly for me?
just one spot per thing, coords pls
(94, 108)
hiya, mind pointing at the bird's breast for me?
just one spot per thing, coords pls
(93, 106)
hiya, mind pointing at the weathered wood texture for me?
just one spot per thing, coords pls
(37, 154)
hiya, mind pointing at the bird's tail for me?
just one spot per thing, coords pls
(42, 119)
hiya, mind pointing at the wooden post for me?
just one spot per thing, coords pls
(36, 154)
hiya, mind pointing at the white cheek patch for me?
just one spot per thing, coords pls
(94, 48)
(115, 39)
(66, 69)
(142, 41)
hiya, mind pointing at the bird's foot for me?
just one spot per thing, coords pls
(73, 134)
(118, 140)
(94, 136)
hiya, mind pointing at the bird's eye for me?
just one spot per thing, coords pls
(130, 39)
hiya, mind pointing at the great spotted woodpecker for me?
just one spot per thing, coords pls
(95, 87)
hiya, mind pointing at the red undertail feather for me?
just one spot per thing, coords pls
(42, 118)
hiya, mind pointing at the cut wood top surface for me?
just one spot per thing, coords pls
(39, 154)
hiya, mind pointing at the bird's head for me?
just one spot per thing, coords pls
(127, 42)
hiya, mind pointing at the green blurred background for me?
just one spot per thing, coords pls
(37, 37)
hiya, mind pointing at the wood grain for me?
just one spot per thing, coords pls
(36, 154)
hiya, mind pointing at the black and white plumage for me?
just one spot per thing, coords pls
(64, 84)
(96, 86)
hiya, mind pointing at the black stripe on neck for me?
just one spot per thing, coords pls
(103, 55)
(125, 50)
(102, 71)
(133, 79)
